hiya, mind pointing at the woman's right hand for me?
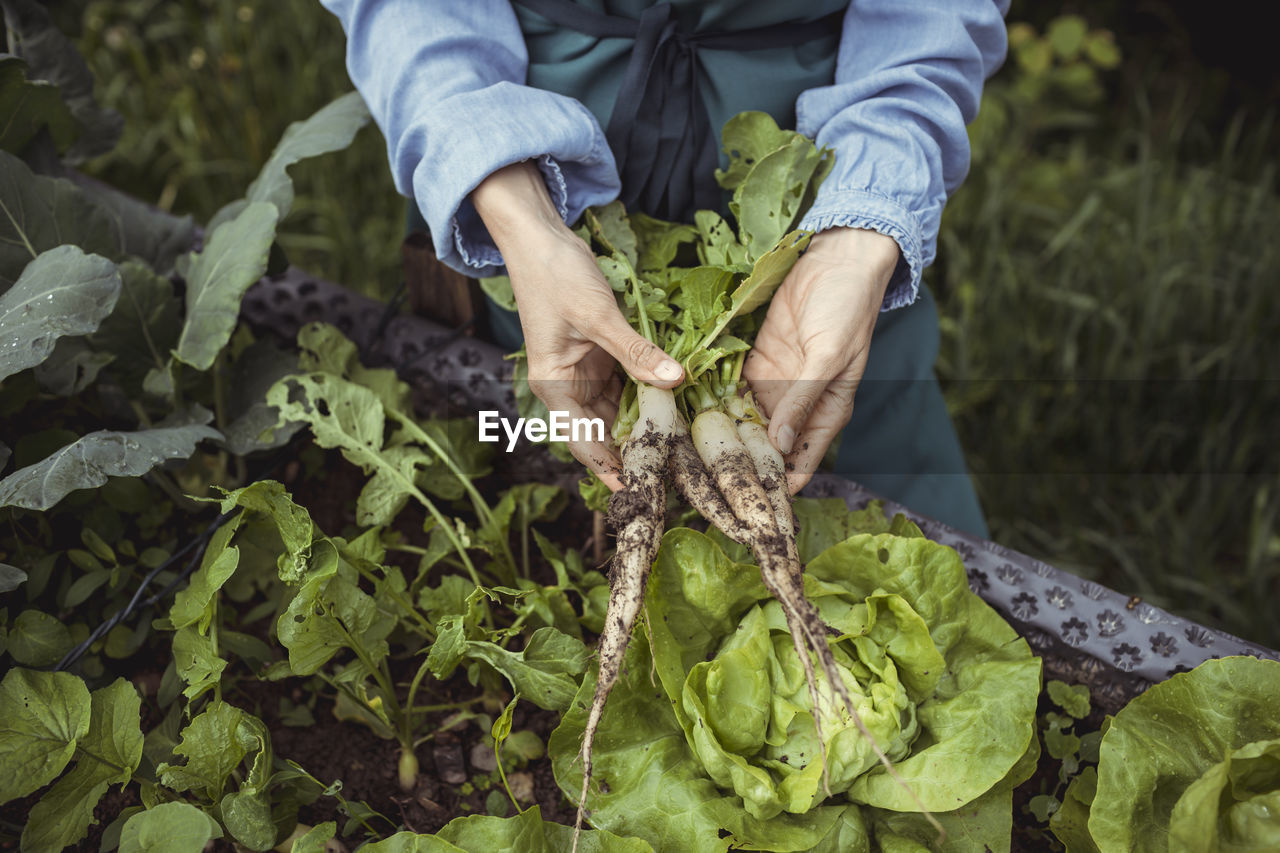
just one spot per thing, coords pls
(573, 330)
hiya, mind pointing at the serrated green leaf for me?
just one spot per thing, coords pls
(546, 672)
(449, 647)
(234, 257)
(107, 755)
(327, 613)
(747, 138)
(39, 213)
(1074, 699)
(88, 462)
(247, 816)
(191, 604)
(610, 227)
(42, 717)
(385, 493)
(169, 828)
(38, 639)
(197, 662)
(767, 203)
(61, 292)
(212, 748)
(341, 414)
(326, 350)
(33, 105)
(719, 246)
(292, 523)
(658, 242)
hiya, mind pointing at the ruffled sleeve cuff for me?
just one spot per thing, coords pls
(467, 137)
(874, 212)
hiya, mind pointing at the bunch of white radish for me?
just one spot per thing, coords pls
(700, 292)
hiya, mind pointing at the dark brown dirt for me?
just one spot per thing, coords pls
(333, 750)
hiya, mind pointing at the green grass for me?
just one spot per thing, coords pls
(1102, 235)
(207, 87)
(1111, 332)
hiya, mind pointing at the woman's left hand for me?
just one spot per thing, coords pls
(812, 349)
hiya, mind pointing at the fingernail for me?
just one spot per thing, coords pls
(668, 371)
(786, 438)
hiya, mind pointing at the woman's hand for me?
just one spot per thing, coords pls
(812, 349)
(573, 330)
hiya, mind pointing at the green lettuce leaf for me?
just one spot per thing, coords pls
(169, 828)
(727, 744)
(1195, 755)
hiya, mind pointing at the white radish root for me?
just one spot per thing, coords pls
(718, 442)
(636, 513)
(694, 483)
(741, 458)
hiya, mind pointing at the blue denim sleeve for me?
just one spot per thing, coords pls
(445, 81)
(909, 78)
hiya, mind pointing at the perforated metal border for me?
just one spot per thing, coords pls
(1117, 643)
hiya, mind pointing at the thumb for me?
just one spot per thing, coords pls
(792, 412)
(642, 359)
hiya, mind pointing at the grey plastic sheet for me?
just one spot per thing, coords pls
(1112, 640)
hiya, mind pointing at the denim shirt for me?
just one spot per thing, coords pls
(446, 83)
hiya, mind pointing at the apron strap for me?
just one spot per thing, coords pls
(659, 130)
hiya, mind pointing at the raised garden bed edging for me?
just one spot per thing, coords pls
(1086, 632)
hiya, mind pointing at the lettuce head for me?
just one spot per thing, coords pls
(709, 740)
(1192, 764)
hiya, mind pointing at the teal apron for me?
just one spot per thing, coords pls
(606, 53)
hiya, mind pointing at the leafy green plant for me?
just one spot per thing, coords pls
(730, 732)
(1077, 751)
(1104, 288)
(1191, 764)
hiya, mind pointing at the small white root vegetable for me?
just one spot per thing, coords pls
(787, 586)
(636, 513)
(694, 483)
(719, 443)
